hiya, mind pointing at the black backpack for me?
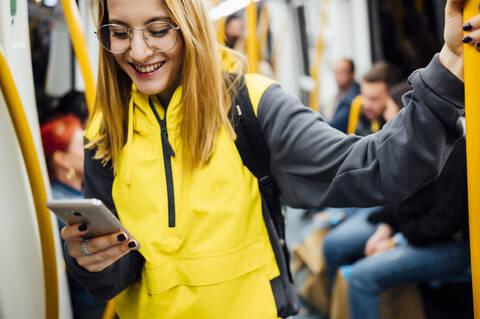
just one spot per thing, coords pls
(256, 157)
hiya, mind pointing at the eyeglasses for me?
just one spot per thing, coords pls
(160, 36)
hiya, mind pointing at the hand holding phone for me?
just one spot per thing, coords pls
(96, 239)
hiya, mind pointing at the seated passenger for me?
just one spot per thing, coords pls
(421, 239)
(348, 89)
(63, 146)
(374, 90)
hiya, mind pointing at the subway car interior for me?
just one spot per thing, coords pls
(352, 66)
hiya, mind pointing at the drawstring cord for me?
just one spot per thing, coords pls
(129, 143)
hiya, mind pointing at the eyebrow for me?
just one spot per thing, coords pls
(158, 18)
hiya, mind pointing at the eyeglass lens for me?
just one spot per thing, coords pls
(158, 35)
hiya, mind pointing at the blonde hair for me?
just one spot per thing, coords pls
(207, 89)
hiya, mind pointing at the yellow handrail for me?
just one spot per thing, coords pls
(32, 164)
(318, 56)
(263, 28)
(220, 25)
(354, 116)
(80, 46)
(252, 42)
(472, 105)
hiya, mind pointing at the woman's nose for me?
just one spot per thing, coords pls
(139, 51)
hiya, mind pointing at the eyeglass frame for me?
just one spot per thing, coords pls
(176, 28)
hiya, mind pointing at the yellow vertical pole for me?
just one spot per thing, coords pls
(80, 47)
(35, 177)
(263, 28)
(472, 105)
(252, 41)
(317, 62)
(220, 24)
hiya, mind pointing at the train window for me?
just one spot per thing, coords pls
(46, 3)
(407, 33)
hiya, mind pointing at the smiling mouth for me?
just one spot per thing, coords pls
(148, 69)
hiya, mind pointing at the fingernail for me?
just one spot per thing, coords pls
(121, 237)
(82, 227)
(467, 39)
(467, 27)
(132, 245)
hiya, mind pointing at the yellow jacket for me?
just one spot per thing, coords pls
(216, 262)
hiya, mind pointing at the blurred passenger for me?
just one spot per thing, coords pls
(74, 103)
(374, 90)
(63, 145)
(421, 239)
(348, 89)
(234, 28)
(394, 102)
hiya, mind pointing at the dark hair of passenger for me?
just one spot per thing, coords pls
(352, 64)
(74, 103)
(383, 72)
(231, 17)
(397, 91)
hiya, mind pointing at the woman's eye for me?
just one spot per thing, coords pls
(159, 33)
(121, 35)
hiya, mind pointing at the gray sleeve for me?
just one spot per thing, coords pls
(316, 165)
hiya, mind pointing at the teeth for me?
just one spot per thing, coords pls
(148, 69)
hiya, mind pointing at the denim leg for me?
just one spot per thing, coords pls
(402, 265)
(345, 243)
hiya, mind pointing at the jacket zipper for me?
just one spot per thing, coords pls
(168, 153)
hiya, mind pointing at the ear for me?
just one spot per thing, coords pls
(59, 159)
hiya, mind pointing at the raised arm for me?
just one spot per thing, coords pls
(316, 165)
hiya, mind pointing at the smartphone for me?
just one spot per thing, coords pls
(99, 219)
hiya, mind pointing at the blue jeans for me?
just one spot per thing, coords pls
(404, 264)
(344, 244)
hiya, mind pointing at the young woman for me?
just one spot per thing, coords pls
(161, 154)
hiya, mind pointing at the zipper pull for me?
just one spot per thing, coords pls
(165, 140)
(170, 150)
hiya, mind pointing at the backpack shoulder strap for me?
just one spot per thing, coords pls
(255, 153)
(250, 142)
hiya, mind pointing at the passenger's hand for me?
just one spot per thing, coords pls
(384, 245)
(102, 251)
(391, 109)
(452, 53)
(383, 232)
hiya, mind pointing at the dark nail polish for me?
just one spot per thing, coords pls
(467, 39)
(121, 237)
(82, 227)
(467, 27)
(132, 245)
